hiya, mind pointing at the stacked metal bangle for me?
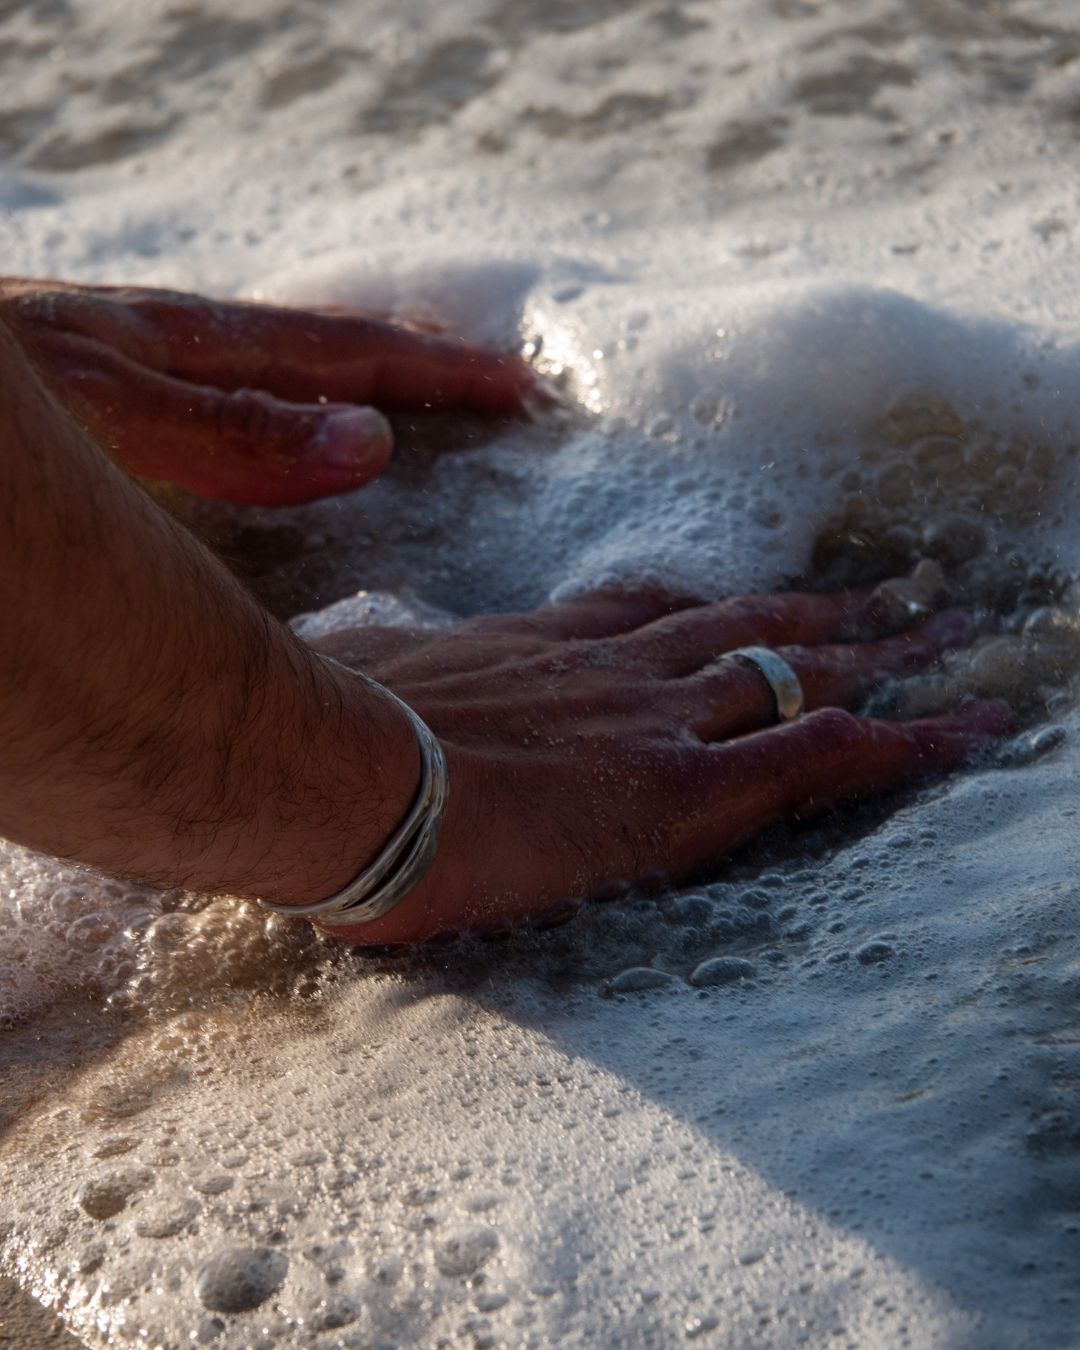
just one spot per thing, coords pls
(408, 854)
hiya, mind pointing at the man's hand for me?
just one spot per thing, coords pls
(244, 402)
(156, 722)
(601, 744)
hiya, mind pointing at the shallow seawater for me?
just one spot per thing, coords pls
(804, 283)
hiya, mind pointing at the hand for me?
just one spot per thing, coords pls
(243, 402)
(601, 744)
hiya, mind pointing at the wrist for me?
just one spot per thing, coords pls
(155, 722)
(446, 900)
(349, 772)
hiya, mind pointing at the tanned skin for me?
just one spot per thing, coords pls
(155, 720)
(157, 723)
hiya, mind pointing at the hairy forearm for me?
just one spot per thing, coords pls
(155, 721)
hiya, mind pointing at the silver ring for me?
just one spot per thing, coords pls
(780, 677)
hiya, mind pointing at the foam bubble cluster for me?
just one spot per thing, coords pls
(65, 932)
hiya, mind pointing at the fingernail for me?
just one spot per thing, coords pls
(352, 438)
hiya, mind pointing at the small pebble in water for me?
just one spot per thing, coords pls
(954, 541)
(722, 970)
(1030, 746)
(1056, 624)
(998, 667)
(638, 979)
(1051, 641)
(240, 1278)
(871, 953)
(700, 1326)
(897, 603)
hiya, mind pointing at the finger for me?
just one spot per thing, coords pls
(838, 676)
(730, 698)
(411, 322)
(298, 355)
(486, 638)
(243, 446)
(804, 767)
(612, 612)
(681, 643)
(598, 614)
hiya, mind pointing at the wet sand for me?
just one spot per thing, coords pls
(26, 1325)
(32, 1058)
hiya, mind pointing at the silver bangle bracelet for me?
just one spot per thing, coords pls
(411, 848)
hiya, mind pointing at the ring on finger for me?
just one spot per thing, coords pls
(780, 677)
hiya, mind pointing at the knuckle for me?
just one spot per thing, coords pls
(248, 415)
(834, 726)
(164, 309)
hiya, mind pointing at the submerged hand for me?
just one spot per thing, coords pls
(244, 402)
(605, 743)
(591, 746)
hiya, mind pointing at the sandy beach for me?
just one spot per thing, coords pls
(804, 280)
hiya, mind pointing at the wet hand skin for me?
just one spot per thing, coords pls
(592, 746)
(244, 402)
(602, 744)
